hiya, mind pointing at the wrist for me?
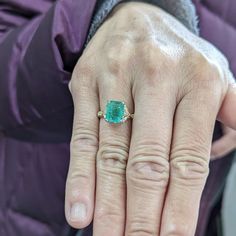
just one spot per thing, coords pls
(183, 10)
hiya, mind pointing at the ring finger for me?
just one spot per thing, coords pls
(148, 165)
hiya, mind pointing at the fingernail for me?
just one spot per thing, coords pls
(78, 212)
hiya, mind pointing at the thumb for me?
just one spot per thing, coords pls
(227, 114)
(222, 147)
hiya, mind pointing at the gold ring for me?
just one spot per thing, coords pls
(116, 112)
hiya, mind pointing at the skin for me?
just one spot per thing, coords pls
(224, 145)
(146, 176)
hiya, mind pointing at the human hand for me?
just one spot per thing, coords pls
(148, 173)
(224, 145)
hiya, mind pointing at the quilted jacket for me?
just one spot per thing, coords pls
(40, 42)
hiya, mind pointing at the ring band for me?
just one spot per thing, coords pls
(116, 112)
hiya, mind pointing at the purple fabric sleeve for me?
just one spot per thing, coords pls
(40, 42)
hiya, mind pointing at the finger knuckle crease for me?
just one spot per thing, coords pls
(113, 155)
(189, 168)
(141, 231)
(141, 226)
(149, 163)
(84, 141)
(82, 77)
(78, 175)
(107, 216)
(118, 60)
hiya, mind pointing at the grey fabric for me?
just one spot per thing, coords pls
(183, 10)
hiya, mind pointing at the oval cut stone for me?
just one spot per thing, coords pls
(115, 112)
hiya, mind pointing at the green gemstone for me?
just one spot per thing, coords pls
(115, 112)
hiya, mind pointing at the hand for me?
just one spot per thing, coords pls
(224, 145)
(148, 173)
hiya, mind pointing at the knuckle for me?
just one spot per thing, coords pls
(151, 53)
(113, 156)
(83, 75)
(207, 70)
(189, 166)
(119, 54)
(156, 73)
(149, 166)
(205, 80)
(178, 230)
(83, 141)
(141, 232)
(85, 64)
(108, 210)
(77, 175)
(141, 226)
(107, 214)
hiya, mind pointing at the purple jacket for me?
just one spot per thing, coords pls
(40, 42)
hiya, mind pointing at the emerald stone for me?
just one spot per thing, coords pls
(115, 112)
